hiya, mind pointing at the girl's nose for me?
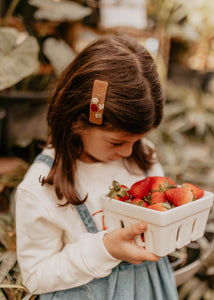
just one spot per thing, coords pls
(125, 150)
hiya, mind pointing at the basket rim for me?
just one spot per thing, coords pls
(158, 217)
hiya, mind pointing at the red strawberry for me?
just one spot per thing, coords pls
(161, 184)
(119, 191)
(139, 202)
(140, 188)
(159, 206)
(197, 192)
(179, 196)
(156, 197)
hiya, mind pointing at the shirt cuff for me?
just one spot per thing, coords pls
(96, 256)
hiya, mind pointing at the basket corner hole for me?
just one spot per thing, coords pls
(194, 225)
(178, 233)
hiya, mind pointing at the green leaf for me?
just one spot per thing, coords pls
(17, 59)
(59, 11)
(59, 53)
(7, 264)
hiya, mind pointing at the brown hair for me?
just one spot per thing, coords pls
(134, 104)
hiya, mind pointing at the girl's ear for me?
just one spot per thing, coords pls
(79, 125)
(83, 120)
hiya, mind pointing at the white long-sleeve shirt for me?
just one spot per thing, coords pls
(54, 249)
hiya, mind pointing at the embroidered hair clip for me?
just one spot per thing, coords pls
(97, 102)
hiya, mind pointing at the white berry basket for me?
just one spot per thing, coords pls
(166, 231)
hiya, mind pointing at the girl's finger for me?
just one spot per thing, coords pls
(139, 254)
(131, 232)
(148, 255)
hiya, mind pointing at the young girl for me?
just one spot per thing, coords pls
(103, 106)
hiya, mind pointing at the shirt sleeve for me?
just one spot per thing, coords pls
(46, 263)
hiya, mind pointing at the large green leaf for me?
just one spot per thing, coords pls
(59, 11)
(59, 53)
(18, 59)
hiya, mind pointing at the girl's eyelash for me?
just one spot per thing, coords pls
(117, 144)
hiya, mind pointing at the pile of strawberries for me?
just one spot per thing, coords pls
(156, 192)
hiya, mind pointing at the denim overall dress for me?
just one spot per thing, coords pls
(146, 281)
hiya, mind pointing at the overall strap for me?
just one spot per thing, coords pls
(81, 209)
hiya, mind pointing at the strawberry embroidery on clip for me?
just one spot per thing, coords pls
(96, 107)
(98, 97)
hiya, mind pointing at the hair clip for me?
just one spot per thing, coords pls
(97, 102)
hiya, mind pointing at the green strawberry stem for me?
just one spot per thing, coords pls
(117, 190)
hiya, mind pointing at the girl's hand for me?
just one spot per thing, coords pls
(121, 245)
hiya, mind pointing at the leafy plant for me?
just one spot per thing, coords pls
(12, 172)
(10, 278)
(181, 18)
(185, 137)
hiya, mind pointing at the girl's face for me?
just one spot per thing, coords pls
(103, 146)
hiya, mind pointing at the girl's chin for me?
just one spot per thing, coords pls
(91, 159)
(115, 158)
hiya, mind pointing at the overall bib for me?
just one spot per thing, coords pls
(147, 281)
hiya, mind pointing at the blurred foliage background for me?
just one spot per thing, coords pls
(39, 38)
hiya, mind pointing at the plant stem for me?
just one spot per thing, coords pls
(10, 10)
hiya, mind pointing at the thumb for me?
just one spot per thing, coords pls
(131, 232)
